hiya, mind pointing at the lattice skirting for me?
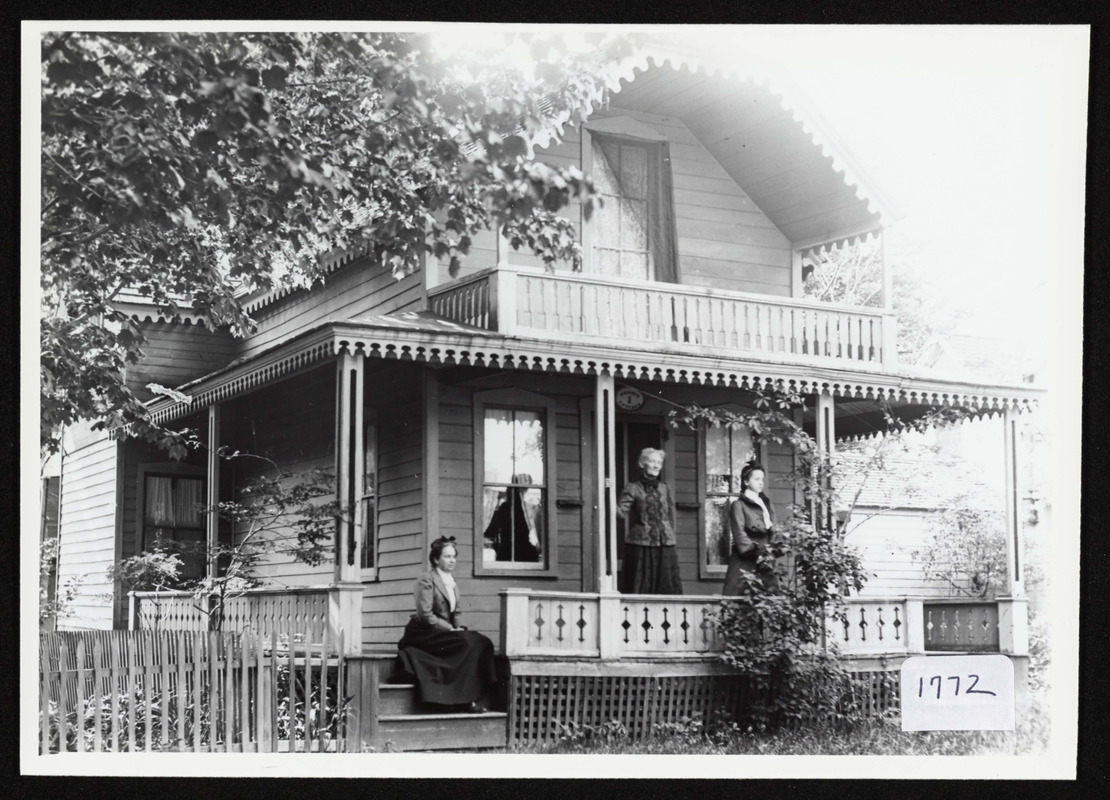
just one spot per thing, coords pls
(538, 702)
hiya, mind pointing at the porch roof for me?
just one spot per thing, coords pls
(423, 337)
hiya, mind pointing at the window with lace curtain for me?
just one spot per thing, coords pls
(633, 230)
(723, 454)
(514, 481)
(173, 517)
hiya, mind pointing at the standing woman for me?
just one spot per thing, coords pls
(449, 664)
(751, 520)
(647, 506)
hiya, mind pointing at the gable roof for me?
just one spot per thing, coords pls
(766, 133)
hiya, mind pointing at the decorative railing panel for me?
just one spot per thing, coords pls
(961, 626)
(872, 626)
(653, 625)
(615, 626)
(572, 306)
(259, 610)
(467, 301)
(563, 623)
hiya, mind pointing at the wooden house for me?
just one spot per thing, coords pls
(432, 396)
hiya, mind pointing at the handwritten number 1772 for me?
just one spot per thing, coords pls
(938, 681)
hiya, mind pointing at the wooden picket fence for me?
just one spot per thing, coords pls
(182, 691)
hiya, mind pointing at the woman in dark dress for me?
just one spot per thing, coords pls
(449, 664)
(751, 521)
(647, 506)
(512, 531)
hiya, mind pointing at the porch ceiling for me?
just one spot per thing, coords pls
(770, 140)
(422, 337)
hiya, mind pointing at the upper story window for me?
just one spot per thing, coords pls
(173, 516)
(632, 234)
(514, 481)
(723, 454)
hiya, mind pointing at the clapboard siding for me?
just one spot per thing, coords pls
(396, 392)
(354, 290)
(887, 541)
(176, 353)
(87, 527)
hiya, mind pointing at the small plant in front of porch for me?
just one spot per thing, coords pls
(277, 515)
(966, 551)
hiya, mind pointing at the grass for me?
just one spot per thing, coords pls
(872, 737)
(875, 738)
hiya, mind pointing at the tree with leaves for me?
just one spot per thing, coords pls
(195, 169)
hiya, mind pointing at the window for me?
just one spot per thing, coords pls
(369, 499)
(173, 517)
(724, 452)
(633, 232)
(514, 469)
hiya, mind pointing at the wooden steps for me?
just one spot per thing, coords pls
(406, 724)
(398, 732)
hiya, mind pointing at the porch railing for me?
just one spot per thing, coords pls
(616, 626)
(572, 306)
(259, 610)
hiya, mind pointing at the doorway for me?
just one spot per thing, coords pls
(633, 434)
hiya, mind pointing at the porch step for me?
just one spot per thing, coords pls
(410, 732)
(398, 698)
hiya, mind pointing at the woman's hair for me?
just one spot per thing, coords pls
(746, 472)
(437, 548)
(647, 453)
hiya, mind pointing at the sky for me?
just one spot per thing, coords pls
(977, 133)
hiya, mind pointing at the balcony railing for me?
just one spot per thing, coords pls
(576, 307)
(621, 626)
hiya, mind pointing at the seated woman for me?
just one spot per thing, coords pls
(449, 664)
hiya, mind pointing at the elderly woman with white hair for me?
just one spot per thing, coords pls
(647, 506)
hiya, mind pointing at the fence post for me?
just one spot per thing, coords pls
(514, 621)
(1013, 625)
(345, 614)
(890, 340)
(915, 626)
(608, 623)
(502, 299)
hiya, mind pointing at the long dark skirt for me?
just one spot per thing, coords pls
(747, 564)
(448, 667)
(650, 570)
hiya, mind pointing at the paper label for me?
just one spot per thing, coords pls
(958, 693)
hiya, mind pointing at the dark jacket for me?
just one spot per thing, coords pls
(632, 507)
(749, 531)
(433, 608)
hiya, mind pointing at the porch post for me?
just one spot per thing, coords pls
(1015, 567)
(605, 437)
(826, 448)
(212, 520)
(1013, 607)
(345, 595)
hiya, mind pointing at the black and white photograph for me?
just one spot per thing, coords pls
(488, 392)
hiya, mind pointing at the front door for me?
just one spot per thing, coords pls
(633, 434)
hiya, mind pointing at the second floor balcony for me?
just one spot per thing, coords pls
(694, 320)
